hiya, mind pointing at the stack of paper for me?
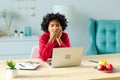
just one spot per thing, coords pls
(27, 65)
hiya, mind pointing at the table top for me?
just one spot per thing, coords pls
(18, 38)
(85, 71)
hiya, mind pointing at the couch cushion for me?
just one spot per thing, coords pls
(108, 36)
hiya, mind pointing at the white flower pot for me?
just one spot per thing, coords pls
(10, 73)
(16, 35)
(21, 35)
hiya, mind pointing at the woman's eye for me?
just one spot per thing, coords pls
(52, 25)
(58, 25)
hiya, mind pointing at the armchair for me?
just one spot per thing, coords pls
(34, 52)
(104, 37)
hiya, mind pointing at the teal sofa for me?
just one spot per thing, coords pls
(104, 37)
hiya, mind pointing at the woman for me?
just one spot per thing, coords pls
(54, 36)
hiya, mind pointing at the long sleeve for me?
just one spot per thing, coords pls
(65, 40)
(46, 47)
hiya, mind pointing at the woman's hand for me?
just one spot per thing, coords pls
(55, 34)
(59, 34)
(58, 38)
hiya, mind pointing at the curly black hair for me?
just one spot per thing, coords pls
(53, 16)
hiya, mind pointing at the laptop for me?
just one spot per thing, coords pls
(64, 57)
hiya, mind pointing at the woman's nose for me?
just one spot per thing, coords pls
(55, 27)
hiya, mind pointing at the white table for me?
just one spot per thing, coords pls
(84, 72)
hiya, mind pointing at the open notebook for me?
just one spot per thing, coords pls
(27, 65)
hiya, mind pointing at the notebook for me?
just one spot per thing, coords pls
(27, 65)
(64, 57)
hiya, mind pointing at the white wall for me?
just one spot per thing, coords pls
(77, 30)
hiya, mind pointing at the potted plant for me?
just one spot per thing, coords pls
(16, 33)
(11, 70)
(9, 17)
(21, 34)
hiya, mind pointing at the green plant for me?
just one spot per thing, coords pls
(11, 64)
(16, 31)
(9, 16)
(21, 32)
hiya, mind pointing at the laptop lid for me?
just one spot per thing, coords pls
(70, 56)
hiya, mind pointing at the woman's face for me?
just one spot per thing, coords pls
(54, 25)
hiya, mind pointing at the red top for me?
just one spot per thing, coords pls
(46, 47)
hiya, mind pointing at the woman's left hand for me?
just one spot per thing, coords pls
(59, 34)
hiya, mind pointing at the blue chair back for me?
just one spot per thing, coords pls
(104, 37)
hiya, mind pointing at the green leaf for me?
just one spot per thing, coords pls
(11, 64)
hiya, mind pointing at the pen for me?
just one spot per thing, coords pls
(21, 65)
(93, 61)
